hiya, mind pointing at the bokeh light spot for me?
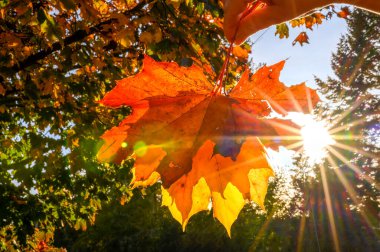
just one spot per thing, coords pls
(140, 148)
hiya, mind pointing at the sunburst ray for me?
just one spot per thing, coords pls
(345, 126)
(356, 150)
(355, 168)
(346, 184)
(330, 212)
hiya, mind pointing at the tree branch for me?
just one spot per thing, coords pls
(75, 37)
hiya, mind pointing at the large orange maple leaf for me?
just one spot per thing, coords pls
(202, 145)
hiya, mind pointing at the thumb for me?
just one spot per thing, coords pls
(258, 20)
(232, 13)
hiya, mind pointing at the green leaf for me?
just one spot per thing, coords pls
(282, 30)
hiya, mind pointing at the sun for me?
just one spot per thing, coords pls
(316, 139)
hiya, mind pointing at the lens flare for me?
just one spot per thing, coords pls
(316, 138)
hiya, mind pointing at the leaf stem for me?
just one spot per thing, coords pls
(219, 81)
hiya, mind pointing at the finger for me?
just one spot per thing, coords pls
(233, 10)
(258, 20)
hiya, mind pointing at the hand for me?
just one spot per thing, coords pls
(276, 11)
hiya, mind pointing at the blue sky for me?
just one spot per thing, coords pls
(304, 61)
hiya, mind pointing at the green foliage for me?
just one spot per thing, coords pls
(143, 224)
(282, 30)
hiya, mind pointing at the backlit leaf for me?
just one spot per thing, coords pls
(202, 145)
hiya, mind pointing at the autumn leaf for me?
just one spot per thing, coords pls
(202, 145)
(308, 21)
(225, 181)
(318, 17)
(213, 20)
(241, 51)
(301, 39)
(282, 30)
(344, 12)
